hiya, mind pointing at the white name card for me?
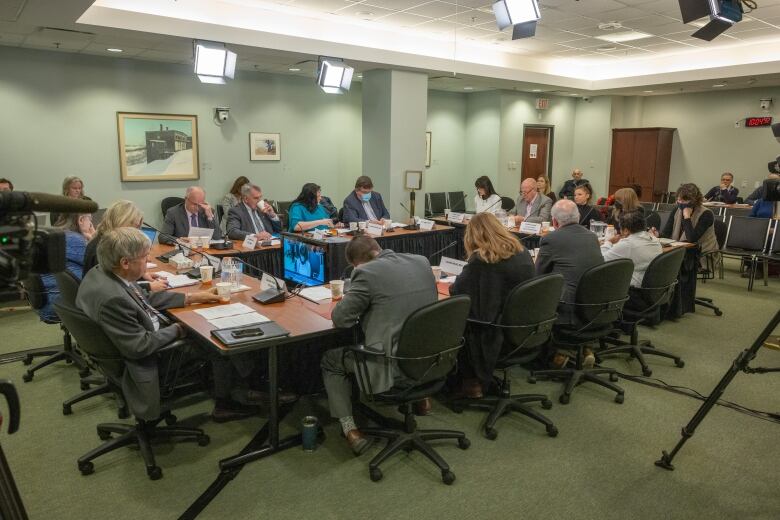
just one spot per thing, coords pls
(250, 242)
(425, 224)
(375, 230)
(530, 228)
(456, 217)
(451, 265)
(270, 282)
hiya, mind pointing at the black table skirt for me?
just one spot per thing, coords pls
(269, 260)
(426, 243)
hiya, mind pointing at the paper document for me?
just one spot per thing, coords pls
(200, 232)
(240, 288)
(316, 293)
(221, 311)
(398, 224)
(239, 320)
(150, 265)
(176, 280)
(679, 243)
(665, 241)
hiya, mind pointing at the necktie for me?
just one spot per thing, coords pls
(193, 220)
(154, 313)
(259, 227)
(369, 211)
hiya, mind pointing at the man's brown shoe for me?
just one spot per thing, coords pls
(423, 407)
(358, 443)
(589, 360)
(559, 361)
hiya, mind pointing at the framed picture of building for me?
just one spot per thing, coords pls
(158, 147)
(264, 147)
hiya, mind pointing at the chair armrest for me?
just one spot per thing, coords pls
(179, 343)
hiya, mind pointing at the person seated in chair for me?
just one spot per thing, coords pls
(497, 263)
(6, 185)
(193, 212)
(567, 191)
(486, 198)
(531, 206)
(634, 242)
(757, 193)
(364, 203)
(726, 192)
(385, 288)
(570, 251)
(131, 317)
(253, 216)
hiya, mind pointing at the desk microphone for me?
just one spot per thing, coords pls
(185, 248)
(454, 242)
(489, 207)
(266, 296)
(413, 227)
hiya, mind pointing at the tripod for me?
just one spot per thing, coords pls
(739, 364)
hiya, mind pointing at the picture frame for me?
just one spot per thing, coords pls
(265, 146)
(427, 149)
(157, 147)
(413, 180)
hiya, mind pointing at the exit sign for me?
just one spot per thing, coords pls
(542, 103)
(758, 121)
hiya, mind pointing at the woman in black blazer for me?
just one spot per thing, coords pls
(497, 263)
(582, 196)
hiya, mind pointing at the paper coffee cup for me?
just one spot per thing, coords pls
(353, 226)
(361, 226)
(336, 289)
(436, 272)
(545, 227)
(223, 290)
(446, 211)
(206, 273)
(261, 205)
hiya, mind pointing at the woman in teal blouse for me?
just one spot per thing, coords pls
(306, 212)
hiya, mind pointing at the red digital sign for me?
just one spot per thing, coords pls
(758, 121)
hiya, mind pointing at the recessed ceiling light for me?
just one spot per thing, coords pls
(468, 88)
(604, 48)
(647, 91)
(610, 26)
(294, 69)
(574, 94)
(113, 49)
(625, 36)
(365, 14)
(718, 85)
(536, 90)
(359, 75)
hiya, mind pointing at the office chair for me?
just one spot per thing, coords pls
(436, 203)
(220, 212)
(598, 303)
(772, 252)
(38, 297)
(666, 206)
(649, 206)
(507, 204)
(98, 347)
(653, 220)
(427, 351)
(526, 322)
(657, 288)
(746, 239)
(457, 201)
(737, 212)
(169, 202)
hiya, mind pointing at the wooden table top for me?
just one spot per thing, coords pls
(397, 232)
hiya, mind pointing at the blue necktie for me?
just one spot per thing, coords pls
(193, 220)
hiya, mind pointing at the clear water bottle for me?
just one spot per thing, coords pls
(231, 272)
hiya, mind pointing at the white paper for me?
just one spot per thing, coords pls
(221, 311)
(250, 241)
(238, 320)
(318, 234)
(200, 232)
(240, 288)
(666, 241)
(316, 293)
(375, 230)
(532, 151)
(455, 217)
(529, 227)
(425, 224)
(176, 280)
(679, 243)
(398, 224)
(451, 265)
(150, 265)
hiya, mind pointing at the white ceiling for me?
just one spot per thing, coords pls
(462, 47)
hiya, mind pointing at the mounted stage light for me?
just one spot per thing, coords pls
(333, 76)
(723, 14)
(522, 15)
(213, 62)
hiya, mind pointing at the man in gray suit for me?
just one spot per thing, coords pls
(193, 212)
(385, 288)
(253, 216)
(532, 206)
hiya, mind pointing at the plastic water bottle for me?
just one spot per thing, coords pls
(231, 272)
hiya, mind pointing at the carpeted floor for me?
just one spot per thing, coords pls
(600, 465)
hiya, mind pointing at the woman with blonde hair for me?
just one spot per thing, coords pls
(625, 200)
(121, 213)
(73, 188)
(543, 187)
(497, 263)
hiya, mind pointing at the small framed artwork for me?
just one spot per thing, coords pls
(413, 180)
(264, 147)
(157, 147)
(427, 149)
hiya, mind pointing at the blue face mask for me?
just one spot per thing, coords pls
(366, 197)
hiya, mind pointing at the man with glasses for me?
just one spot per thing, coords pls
(253, 216)
(567, 191)
(193, 212)
(532, 206)
(726, 192)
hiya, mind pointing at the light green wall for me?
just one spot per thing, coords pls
(59, 119)
(483, 133)
(592, 143)
(447, 124)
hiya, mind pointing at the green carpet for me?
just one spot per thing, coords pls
(600, 465)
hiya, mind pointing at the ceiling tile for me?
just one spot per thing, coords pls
(11, 39)
(100, 49)
(364, 12)
(434, 9)
(404, 19)
(471, 17)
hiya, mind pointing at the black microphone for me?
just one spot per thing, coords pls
(412, 227)
(266, 296)
(454, 242)
(24, 202)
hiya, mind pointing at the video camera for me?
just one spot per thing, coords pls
(25, 249)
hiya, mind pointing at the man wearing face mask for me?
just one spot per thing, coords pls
(364, 203)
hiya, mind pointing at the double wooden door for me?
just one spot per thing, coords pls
(641, 156)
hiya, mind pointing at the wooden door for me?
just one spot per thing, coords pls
(645, 155)
(536, 146)
(622, 163)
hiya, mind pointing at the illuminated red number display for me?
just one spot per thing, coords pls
(758, 121)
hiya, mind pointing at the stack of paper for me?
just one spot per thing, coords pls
(176, 280)
(316, 293)
(233, 315)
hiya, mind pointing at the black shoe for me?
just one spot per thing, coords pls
(225, 411)
(259, 398)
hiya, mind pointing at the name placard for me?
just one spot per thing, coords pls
(456, 217)
(425, 224)
(267, 282)
(451, 265)
(250, 242)
(375, 230)
(530, 228)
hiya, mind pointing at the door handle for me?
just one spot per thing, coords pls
(8, 391)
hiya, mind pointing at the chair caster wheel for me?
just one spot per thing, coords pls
(84, 386)
(532, 380)
(448, 477)
(27, 360)
(613, 377)
(104, 436)
(564, 399)
(68, 361)
(154, 473)
(546, 404)
(680, 363)
(647, 372)
(171, 419)
(375, 474)
(552, 431)
(718, 312)
(619, 398)
(66, 409)
(86, 468)
(27, 377)
(491, 434)
(464, 443)
(203, 440)
(122, 413)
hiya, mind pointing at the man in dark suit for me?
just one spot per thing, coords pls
(364, 203)
(193, 212)
(253, 216)
(567, 191)
(385, 288)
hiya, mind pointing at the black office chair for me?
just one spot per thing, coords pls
(98, 347)
(649, 206)
(746, 239)
(220, 212)
(601, 294)
(657, 289)
(457, 201)
(772, 252)
(427, 351)
(435, 203)
(526, 322)
(737, 212)
(169, 202)
(341, 215)
(664, 215)
(37, 297)
(653, 220)
(507, 204)
(665, 207)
